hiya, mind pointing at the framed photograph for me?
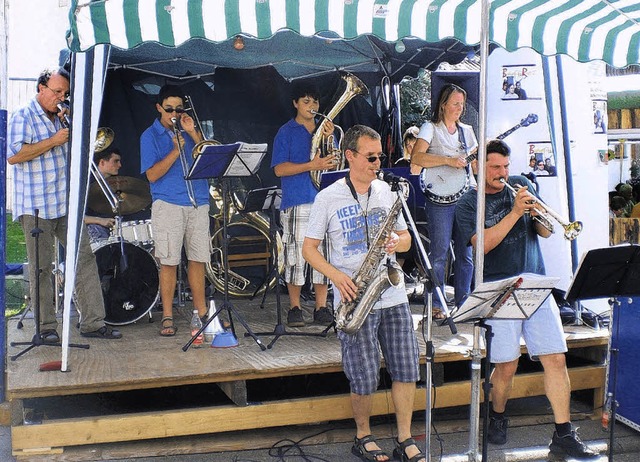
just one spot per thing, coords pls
(521, 82)
(542, 159)
(599, 116)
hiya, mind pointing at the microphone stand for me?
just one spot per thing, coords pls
(37, 340)
(394, 181)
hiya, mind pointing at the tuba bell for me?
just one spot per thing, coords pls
(324, 146)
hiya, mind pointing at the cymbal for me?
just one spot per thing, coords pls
(133, 195)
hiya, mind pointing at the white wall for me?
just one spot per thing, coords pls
(37, 31)
(589, 175)
(36, 34)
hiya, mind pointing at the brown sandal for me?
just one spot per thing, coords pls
(438, 315)
(168, 330)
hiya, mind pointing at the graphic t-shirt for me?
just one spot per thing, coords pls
(519, 252)
(350, 226)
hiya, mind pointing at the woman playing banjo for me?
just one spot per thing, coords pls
(444, 148)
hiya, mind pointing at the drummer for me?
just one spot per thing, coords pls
(108, 163)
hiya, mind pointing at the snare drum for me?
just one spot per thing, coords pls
(130, 285)
(138, 231)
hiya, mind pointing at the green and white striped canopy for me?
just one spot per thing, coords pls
(586, 30)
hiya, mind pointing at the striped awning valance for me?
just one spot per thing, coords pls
(584, 29)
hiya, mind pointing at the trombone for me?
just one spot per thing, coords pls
(546, 213)
(199, 147)
(184, 163)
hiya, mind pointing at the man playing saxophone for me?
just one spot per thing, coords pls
(291, 162)
(179, 212)
(349, 213)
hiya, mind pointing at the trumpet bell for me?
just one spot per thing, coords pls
(104, 138)
(572, 230)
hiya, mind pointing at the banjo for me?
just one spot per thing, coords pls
(445, 185)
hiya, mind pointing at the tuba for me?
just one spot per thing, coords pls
(324, 144)
(251, 252)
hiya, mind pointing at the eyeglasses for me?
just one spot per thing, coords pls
(177, 110)
(372, 159)
(58, 93)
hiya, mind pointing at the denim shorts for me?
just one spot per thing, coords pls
(389, 329)
(543, 334)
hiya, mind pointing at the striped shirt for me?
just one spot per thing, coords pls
(40, 183)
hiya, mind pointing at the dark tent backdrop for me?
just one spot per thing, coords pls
(246, 105)
(387, 36)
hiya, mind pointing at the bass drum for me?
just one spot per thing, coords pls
(250, 255)
(130, 281)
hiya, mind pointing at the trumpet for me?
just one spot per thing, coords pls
(545, 214)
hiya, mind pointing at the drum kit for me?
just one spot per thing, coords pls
(129, 274)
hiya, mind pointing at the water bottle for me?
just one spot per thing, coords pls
(209, 331)
(196, 325)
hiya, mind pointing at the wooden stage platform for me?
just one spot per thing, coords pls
(145, 386)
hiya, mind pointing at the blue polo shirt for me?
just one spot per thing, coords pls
(155, 143)
(293, 144)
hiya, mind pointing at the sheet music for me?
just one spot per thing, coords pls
(522, 296)
(247, 161)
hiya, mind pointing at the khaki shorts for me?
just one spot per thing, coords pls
(174, 225)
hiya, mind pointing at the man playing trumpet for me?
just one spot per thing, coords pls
(511, 247)
(174, 219)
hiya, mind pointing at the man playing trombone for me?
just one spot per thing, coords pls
(180, 208)
(513, 221)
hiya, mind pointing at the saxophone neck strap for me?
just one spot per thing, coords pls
(365, 211)
(352, 188)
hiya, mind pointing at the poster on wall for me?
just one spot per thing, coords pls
(521, 82)
(598, 94)
(599, 116)
(542, 159)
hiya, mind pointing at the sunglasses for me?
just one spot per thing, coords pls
(177, 110)
(372, 159)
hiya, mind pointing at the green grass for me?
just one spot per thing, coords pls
(15, 248)
(16, 252)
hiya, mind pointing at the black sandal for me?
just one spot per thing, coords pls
(399, 451)
(363, 453)
(167, 328)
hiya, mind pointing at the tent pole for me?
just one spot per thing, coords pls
(476, 352)
(4, 29)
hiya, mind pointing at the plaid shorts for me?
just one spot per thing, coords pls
(389, 329)
(294, 228)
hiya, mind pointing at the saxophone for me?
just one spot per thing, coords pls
(371, 280)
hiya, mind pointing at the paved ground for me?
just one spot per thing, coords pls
(529, 434)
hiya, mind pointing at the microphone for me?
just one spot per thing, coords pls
(389, 177)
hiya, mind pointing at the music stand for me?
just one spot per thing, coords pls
(610, 272)
(269, 199)
(513, 298)
(222, 162)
